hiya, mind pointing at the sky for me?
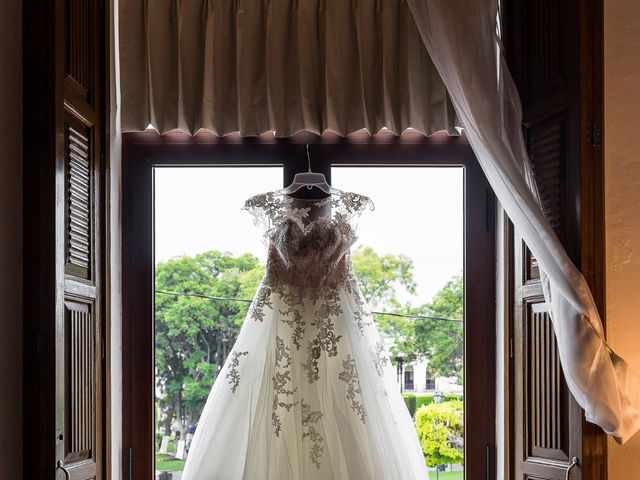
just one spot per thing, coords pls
(418, 213)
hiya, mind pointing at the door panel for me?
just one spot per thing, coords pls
(80, 373)
(546, 417)
(65, 58)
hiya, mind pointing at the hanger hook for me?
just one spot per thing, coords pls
(308, 159)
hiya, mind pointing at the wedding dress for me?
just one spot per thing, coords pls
(307, 391)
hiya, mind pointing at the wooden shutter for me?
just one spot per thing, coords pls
(547, 420)
(64, 67)
(550, 51)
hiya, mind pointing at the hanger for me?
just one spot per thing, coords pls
(309, 179)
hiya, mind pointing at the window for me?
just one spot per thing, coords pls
(430, 382)
(144, 157)
(408, 378)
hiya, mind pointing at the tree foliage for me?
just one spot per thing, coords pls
(380, 278)
(194, 335)
(440, 429)
(439, 339)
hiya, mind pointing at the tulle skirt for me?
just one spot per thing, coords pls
(307, 392)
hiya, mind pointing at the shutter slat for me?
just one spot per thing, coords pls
(79, 199)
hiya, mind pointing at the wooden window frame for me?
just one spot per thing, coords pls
(142, 152)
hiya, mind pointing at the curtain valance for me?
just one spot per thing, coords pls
(253, 66)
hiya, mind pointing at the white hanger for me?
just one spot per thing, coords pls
(309, 179)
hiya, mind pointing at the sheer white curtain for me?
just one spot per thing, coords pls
(460, 36)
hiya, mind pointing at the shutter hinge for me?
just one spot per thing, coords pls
(594, 135)
(511, 347)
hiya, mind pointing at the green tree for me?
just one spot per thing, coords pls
(440, 339)
(380, 276)
(194, 335)
(440, 429)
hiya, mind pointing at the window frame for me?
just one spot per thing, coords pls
(142, 152)
(409, 379)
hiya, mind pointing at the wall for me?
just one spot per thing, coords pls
(622, 197)
(11, 239)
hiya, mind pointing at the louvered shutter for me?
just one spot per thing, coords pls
(64, 104)
(550, 53)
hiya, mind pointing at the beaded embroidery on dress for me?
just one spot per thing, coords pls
(308, 392)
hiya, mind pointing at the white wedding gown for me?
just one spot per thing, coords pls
(307, 391)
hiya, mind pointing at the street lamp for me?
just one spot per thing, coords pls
(399, 365)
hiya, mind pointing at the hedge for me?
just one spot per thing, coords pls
(414, 402)
(449, 397)
(410, 401)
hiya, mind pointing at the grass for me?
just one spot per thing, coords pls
(167, 463)
(455, 475)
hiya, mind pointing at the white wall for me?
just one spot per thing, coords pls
(10, 239)
(622, 197)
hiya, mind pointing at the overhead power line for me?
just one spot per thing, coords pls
(426, 317)
(199, 295)
(248, 300)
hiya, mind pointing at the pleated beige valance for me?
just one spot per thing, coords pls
(253, 66)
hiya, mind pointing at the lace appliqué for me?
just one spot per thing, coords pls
(326, 339)
(269, 209)
(349, 375)
(354, 202)
(281, 385)
(360, 315)
(293, 315)
(233, 374)
(261, 300)
(361, 321)
(329, 309)
(309, 419)
(348, 201)
(308, 265)
(380, 358)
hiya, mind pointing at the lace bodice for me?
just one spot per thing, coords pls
(308, 239)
